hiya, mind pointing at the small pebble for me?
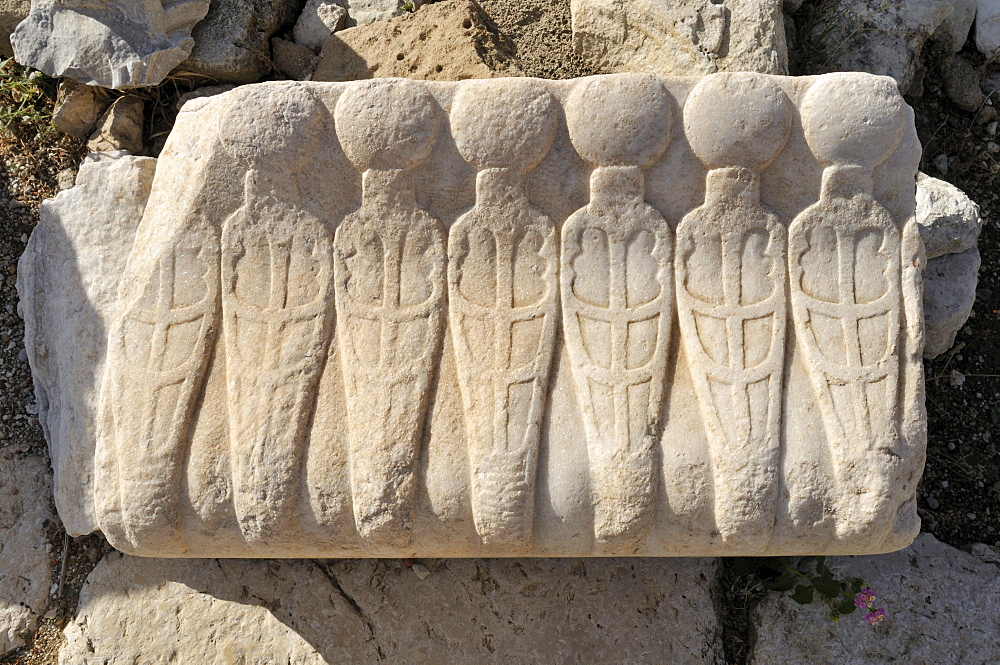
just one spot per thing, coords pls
(951, 446)
(933, 503)
(944, 484)
(421, 571)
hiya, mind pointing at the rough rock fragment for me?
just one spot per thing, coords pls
(961, 84)
(949, 220)
(319, 20)
(293, 60)
(954, 30)
(687, 37)
(120, 128)
(942, 604)
(25, 574)
(444, 41)
(879, 37)
(363, 12)
(467, 611)
(78, 107)
(110, 43)
(232, 43)
(12, 12)
(949, 295)
(67, 281)
(988, 27)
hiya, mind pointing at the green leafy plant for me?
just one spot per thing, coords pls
(809, 580)
(408, 7)
(26, 97)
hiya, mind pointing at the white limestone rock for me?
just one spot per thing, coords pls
(67, 284)
(363, 12)
(276, 384)
(949, 220)
(25, 574)
(879, 37)
(949, 294)
(318, 20)
(685, 37)
(954, 30)
(942, 604)
(110, 43)
(988, 27)
(363, 611)
(120, 128)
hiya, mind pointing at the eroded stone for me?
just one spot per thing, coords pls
(685, 37)
(110, 43)
(527, 610)
(377, 368)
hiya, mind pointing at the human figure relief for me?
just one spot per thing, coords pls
(389, 269)
(277, 304)
(503, 300)
(617, 296)
(845, 265)
(731, 297)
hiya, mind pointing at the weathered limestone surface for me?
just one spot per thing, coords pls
(444, 41)
(25, 574)
(319, 19)
(484, 611)
(943, 608)
(880, 37)
(681, 37)
(988, 27)
(12, 12)
(604, 316)
(67, 289)
(110, 43)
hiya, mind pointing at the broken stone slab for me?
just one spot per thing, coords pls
(878, 37)
(528, 610)
(67, 283)
(293, 60)
(685, 37)
(365, 12)
(318, 20)
(942, 605)
(988, 27)
(109, 43)
(444, 41)
(954, 30)
(25, 574)
(948, 219)
(78, 107)
(376, 369)
(949, 294)
(232, 43)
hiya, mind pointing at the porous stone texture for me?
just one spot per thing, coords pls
(377, 368)
(310, 612)
(683, 37)
(363, 12)
(293, 60)
(110, 43)
(120, 128)
(232, 43)
(988, 27)
(949, 295)
(25, 575)
(318, 20)
(949, 220)
(67, 282)
(879, 37)
(942, 604)
(961, 84)
(12, 12)
(78, 107)
(444, 41)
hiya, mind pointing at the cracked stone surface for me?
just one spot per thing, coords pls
(531, 611)
(943, 608)
(377, 369)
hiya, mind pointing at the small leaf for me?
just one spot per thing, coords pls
(781, 583)
(827, 587)
(847, 606)
(803, 594)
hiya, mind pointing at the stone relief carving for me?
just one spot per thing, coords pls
(618, 315)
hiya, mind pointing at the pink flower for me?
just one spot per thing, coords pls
(864, 598)
(875, 616)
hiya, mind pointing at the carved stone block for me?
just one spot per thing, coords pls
(619, 315)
